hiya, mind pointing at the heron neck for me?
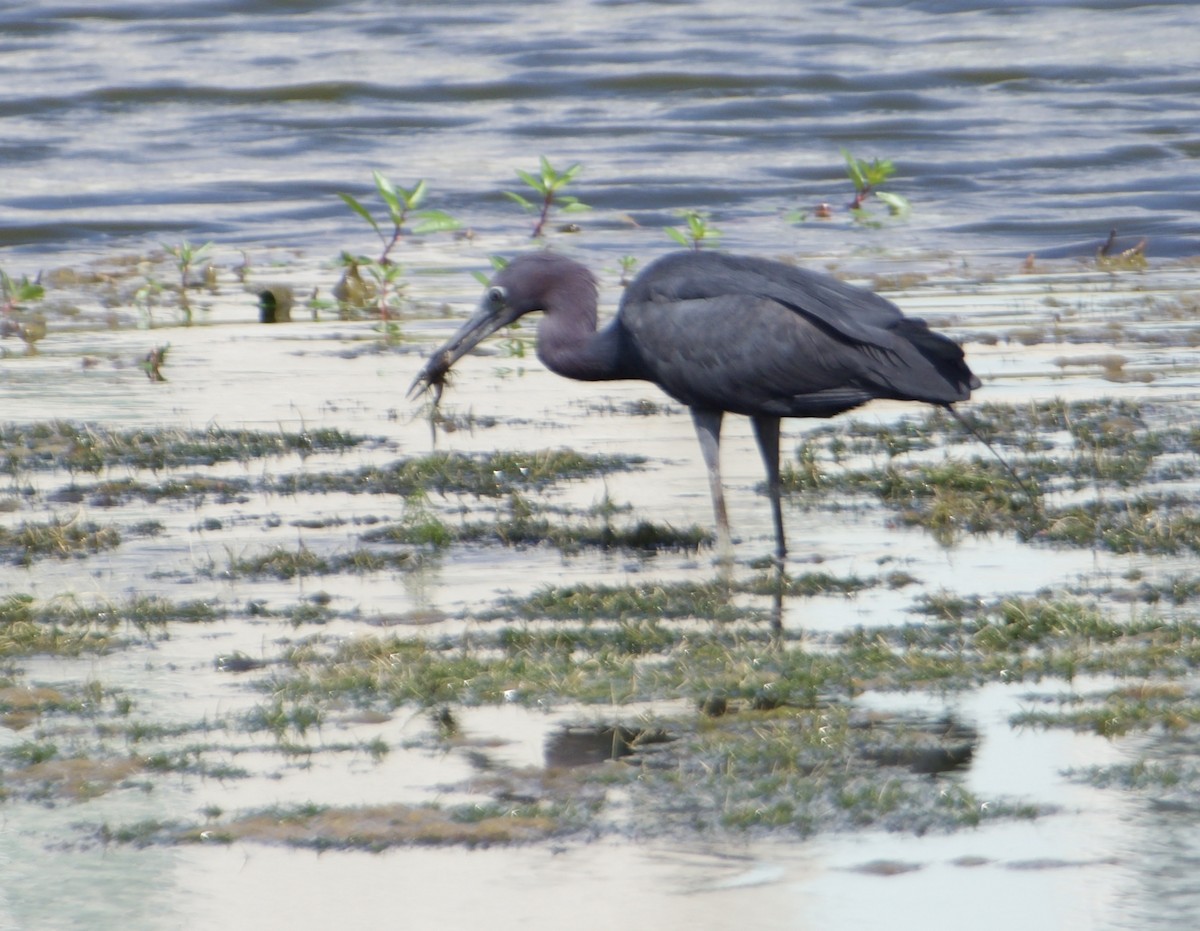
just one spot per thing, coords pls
(573, 348)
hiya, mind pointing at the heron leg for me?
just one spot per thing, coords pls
(708, 431)
(766, 431)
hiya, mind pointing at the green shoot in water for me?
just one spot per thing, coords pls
(403, 207)
(187, 256)
(698, 230)
(15, 319)
(868, 177)
(548, 183)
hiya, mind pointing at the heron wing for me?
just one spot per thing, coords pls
(745, 356)
(790, 338)
(854, 312)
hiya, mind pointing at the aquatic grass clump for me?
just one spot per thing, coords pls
(632, 660)
(710, 601)
(28, 639)
(53, 776)
(388, 671)
(1119, 711)
(1029, 638)
(284, 718)
(808, 584)
(280, 562)
(952, 497)
(488, 475)
(422, 528)
(634, 638)
(1065, 446)
(1030, 621)
(713, 601)
(1149, 523)
(61, 539)
(21, 705)
(197, 487)
(66, 625)
(380, 827)
(78, 447)
(808, 770)
(1142, 774)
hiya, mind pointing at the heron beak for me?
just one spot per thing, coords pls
(483, 323)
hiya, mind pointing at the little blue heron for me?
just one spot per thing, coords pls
(723, 334)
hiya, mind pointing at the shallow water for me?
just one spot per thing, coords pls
(1088, 866)
(1032, 128)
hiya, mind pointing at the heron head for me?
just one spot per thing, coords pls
(537, 281)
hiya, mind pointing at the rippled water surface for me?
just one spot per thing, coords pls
(1016, 129)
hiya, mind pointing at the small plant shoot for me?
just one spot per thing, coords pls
(187, 256)
(868, 177)
(548, 184)
(403, 208)
(15, 318)
(697, 231)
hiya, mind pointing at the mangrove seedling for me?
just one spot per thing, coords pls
(187, 256)
(548, 183)
(402, 208)
(144, 298)
(867, 178)
(14, 293)
(15, 319)
(698, 230)
(153, 362)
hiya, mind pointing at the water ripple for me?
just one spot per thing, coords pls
(1012, 129)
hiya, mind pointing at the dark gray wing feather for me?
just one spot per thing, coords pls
(684, 276)
(754, 336)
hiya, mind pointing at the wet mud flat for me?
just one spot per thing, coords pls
(281, 610)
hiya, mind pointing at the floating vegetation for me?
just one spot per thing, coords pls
(489, 475)
(422, 528)
(1166, 706)
(1142, 774)
(1145, 524)
(196, 487)
(1104, 447)
(588, 602)
(33, 540)
(372, 828)
(68, 625)
(765, 729)
(283, 563)
(825, 769)
(77, 778)
(90, 448)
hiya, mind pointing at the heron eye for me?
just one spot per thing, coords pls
(497, 296)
